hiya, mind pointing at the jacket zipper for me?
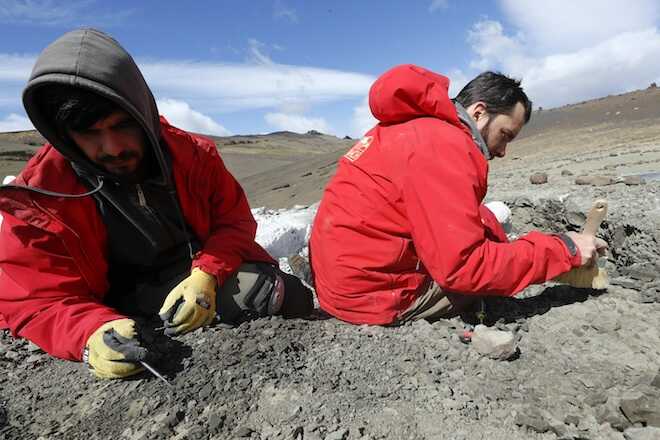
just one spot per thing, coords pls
(130, 219)
(142, 200)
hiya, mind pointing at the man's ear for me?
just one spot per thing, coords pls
(477, 110)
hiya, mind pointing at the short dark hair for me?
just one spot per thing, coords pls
(72, 108)
(499, 92)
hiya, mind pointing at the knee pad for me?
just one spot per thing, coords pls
(255, 291)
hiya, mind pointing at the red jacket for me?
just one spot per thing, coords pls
(404, 208)
(53, 257)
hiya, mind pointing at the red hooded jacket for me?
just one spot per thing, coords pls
(404, 207)
(53, 253)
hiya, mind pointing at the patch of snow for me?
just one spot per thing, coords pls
(284, 232)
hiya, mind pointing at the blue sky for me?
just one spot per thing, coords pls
(258, 66)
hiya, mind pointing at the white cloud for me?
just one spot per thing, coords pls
(296, 123)
(280, 10)
(181, 115)
(595, 61)
(438, 4)
(54, 13)
(458, 79)
(15, 122)
(489, 42)
(212, 88)
(217, 87)
(363, 120)
(16, 68)
(561, 26)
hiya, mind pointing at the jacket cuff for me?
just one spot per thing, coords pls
(574, 254)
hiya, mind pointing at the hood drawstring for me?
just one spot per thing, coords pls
(53, 193)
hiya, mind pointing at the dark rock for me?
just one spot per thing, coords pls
(633, 180)
(206, 391)
(216, 422)
(340, 434)
(243, 432)
(627, 283)
(34, 359)
(566, 173)
(559, 428)
(12, 355)
(656, 381)
(610, 413)
(594, 180)
(533, 418)
(538, 178)
(174, 417)
(642, 408)
(596, 399)
(285, 185)
(3, 415)
(646, 272)
(572, 419)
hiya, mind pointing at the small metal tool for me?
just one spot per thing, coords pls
(155, 372)
(481, 314)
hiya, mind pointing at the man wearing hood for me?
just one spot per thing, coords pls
(121, 214)
(401, 233)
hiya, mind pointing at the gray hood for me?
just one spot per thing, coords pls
(476, 136)
(90, 59)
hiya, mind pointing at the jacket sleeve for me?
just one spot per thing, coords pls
(442, 199)
(492, 227)
(43, 296)
(232, 226)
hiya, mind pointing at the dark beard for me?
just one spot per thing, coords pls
(485, 131)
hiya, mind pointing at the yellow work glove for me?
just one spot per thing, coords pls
(113, 350)
(190, 305)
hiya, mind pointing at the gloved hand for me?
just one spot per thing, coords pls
(113, 350)
(191, 304)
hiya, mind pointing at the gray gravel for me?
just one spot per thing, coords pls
(587, 366)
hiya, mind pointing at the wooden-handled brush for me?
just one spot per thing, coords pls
(592, 276)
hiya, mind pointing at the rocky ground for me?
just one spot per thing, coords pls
(586, 366)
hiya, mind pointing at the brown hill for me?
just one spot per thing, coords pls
(283, 169)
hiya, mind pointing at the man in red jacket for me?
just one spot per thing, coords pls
(401, 233)
(122, 215)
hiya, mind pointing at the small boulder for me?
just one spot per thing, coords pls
(340, 434)
(566, 173)
(633, 180)
(538, 178)
(642, 408)
(533, 418)
(594, 180)
(495, 344)
(656, 381)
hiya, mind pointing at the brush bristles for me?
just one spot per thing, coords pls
(585, 278)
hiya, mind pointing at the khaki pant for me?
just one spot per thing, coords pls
(435, 304)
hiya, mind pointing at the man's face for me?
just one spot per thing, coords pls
(499, 130)
(115, 143)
